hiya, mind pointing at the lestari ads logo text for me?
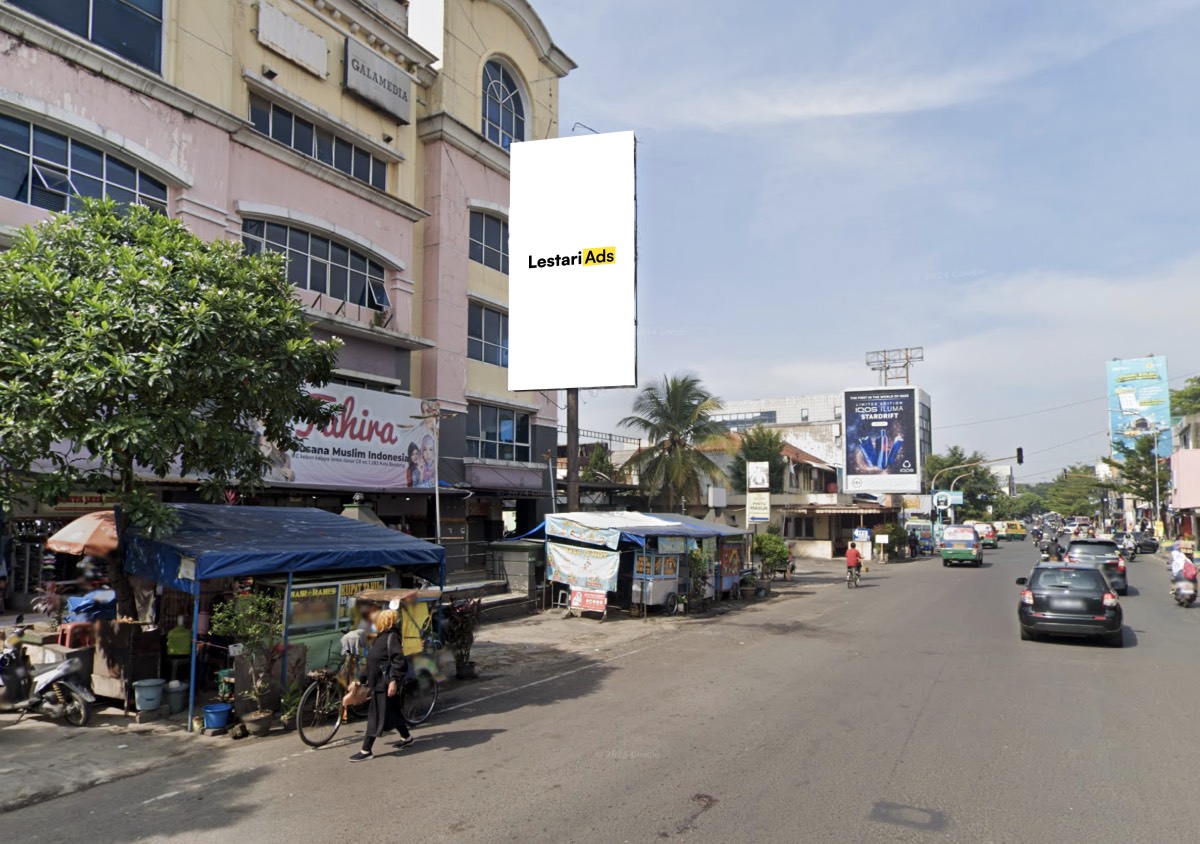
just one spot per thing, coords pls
(596, 256)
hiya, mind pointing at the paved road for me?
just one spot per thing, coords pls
(907, 710)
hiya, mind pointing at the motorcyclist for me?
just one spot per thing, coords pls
(1181, 567)
(1050, 547)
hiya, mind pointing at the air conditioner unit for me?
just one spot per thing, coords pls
(717, 497)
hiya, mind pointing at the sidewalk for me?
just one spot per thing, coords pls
(42, 759)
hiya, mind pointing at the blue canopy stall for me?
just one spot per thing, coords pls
(219, 541)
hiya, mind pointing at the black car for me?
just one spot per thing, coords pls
(1069, 601)
(1146, 544)
(1100, 554)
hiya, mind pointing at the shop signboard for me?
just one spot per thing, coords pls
(862, 535)
(377, 79)
(346, 593)
(588, 600)
(572, 218)
(1139, 401)
(583, 568)
(314, 606)
(944, 499)
(758, 507)
(374, 443)
(758, 475)
(672, 545)
(882, 440)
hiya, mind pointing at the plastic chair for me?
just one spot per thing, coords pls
(76, 634)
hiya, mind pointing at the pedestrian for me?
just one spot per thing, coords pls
(914, 544)
(384, 673)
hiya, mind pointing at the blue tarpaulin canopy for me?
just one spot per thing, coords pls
(213, 540)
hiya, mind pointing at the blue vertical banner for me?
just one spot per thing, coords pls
(1139, 401)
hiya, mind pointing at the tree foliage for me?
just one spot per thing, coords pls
(1074, 492)
(130, 348)
(1025, 503)
(977, 483)
(675, 416)
(759, 445)
(773, 552)
(1135, 468)
(1186, 400)
(600, 467)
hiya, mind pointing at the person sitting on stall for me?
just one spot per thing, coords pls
(385, 670)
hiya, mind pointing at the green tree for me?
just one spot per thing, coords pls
(1074, 492)
(600, 467)
(1135, 467)
(977, 483)
(1186, 400)
(131, 348)
(759, 445)
(675, 416)
(773, 553)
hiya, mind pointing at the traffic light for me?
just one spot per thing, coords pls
(1020, 456)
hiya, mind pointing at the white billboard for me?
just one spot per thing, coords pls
(572, 248)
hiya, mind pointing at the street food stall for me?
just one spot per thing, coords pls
(640, 558)
(291, 544)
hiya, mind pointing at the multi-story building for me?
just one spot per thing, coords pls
(323, 130)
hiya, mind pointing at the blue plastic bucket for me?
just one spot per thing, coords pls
(216, 715)
(147, 694)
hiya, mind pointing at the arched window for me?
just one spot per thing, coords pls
(503, 108)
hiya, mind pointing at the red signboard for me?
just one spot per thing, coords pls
(586, 600)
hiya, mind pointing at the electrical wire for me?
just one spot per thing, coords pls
(1045, 410)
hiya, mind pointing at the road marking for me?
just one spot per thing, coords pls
(166, 796)
(549, 679)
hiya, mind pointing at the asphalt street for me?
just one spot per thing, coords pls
(905, 710)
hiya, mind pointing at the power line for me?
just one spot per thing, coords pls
(1045, 410)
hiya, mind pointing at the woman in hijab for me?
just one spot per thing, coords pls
(383, 675)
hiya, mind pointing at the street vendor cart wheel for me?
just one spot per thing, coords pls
(672, 604)
(320, 712)
(420, 696)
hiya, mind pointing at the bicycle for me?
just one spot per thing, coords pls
(852, 577)
(321, 711)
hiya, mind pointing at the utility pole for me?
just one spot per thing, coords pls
(573, 450)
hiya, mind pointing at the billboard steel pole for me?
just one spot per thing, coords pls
(573, 450)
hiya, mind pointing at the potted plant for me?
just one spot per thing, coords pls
(254, 621)
(461, 618)
(774, 556)
(289, 704)
(699, 565)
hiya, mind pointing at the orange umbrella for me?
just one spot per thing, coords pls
(94, 533)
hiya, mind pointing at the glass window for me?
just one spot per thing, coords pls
(281, 125)
(487, 335)
(497, 432)
(319, 264)
(503, 108)
(132, 29)
(489, 241)
(51, 171)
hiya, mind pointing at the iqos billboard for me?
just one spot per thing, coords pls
(882, 440)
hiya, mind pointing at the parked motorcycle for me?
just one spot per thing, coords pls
(58, 690)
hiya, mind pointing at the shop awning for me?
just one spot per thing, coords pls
(214, 540)
(603, 528)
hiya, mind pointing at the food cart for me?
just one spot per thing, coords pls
(642, 558)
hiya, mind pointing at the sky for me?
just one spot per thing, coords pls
(1011, 185)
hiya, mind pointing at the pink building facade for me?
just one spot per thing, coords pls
(324, 130)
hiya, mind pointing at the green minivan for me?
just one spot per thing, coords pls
(960, 544)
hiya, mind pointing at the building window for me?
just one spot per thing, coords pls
(804, 414)
(312, 141)
(49, 170)
(320, 264)
(497, 433)
(130, 28)
(487, 335)
(800, 527)
(489, 241)
(503, 109)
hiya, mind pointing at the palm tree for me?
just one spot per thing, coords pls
(676, 417)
